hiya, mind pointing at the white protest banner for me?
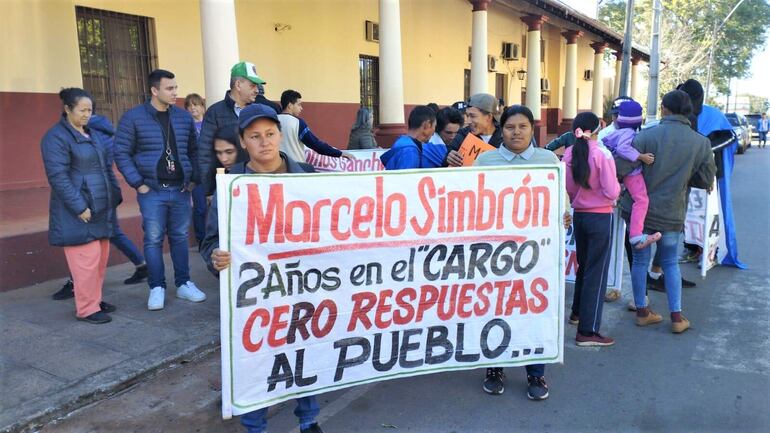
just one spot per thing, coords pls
(695, 218)
(615, 273)
(374, 276)
(366, 160)
(703, 224)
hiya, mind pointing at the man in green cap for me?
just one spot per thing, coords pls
(243, 91)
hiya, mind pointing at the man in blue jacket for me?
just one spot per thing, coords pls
(155, 151)
(413, 150)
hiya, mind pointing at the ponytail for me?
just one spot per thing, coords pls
(584, 125)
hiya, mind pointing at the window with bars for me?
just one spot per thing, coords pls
(369, 70)
(117, 52)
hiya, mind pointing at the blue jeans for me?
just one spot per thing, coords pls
(123, 243)
(166, 211)
(667, 254)
(536, 370)
(199, 212)
(307, 409)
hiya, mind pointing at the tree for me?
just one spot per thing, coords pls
(758, 104)
(687, 28)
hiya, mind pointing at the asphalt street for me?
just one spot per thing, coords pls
(713, 378)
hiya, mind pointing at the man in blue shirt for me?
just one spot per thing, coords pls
(763, 125)
(413, 150)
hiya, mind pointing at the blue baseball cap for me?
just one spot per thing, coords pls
(253, 112)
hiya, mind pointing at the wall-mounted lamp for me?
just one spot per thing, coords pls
(520, 74)
(279, 27)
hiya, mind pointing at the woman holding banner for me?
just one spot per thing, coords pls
(260, 135)
(518, 126)
(593, 187)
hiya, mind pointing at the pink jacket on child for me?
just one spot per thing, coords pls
(603, 180)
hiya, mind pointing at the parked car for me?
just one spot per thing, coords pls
(752, 119)
(742, 130)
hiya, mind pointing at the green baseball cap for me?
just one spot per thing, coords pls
(248, 71)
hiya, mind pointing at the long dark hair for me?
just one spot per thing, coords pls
(589, 123)
(72, 95)
(228, 134)
(517, 109)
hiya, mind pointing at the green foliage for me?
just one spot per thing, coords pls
(687, 33)
(758, 104)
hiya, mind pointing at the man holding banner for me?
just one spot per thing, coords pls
(260, 134)
(481, 115)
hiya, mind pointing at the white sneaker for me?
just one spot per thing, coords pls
(156, 299)
(190, 292)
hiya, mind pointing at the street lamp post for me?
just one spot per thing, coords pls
(627, 42)
(714, 36)
(652, 92)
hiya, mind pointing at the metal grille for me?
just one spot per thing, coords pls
(117, 52)
(369, 69)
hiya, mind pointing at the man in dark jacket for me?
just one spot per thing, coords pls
(264, 157)
(683, 159)
(243, 91)
(565, 140)
(481, 111)
(155, 152)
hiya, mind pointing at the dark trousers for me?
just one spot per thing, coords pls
(200, 207)
(123, 243)
(593, 236)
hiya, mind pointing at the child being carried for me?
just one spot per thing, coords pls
(619, 143)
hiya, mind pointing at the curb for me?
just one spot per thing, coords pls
(32, 415)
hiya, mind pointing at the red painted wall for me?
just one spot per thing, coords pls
(24, 119)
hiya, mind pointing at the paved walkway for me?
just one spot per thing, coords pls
(51, 363)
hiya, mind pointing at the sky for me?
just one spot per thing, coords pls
(758, 84)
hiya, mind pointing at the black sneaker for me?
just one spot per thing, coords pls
(140, 274)
(687, 284)
(656, 285)
(107, 308)
(314, 428)
(493, 383)
(66, 292)
(97, 318)
(537, 389)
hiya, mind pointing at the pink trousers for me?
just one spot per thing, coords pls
(88, 264)
(635, 185)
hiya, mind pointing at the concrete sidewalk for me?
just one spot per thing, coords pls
(50, 363)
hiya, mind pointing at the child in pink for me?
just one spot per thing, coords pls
(619, 143)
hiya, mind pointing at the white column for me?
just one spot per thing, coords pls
(597, 98)
(534, 24)
(635, 79)
(570, 75)
(618, 64)
(479, 71)
(220, 45)
(391, 72)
